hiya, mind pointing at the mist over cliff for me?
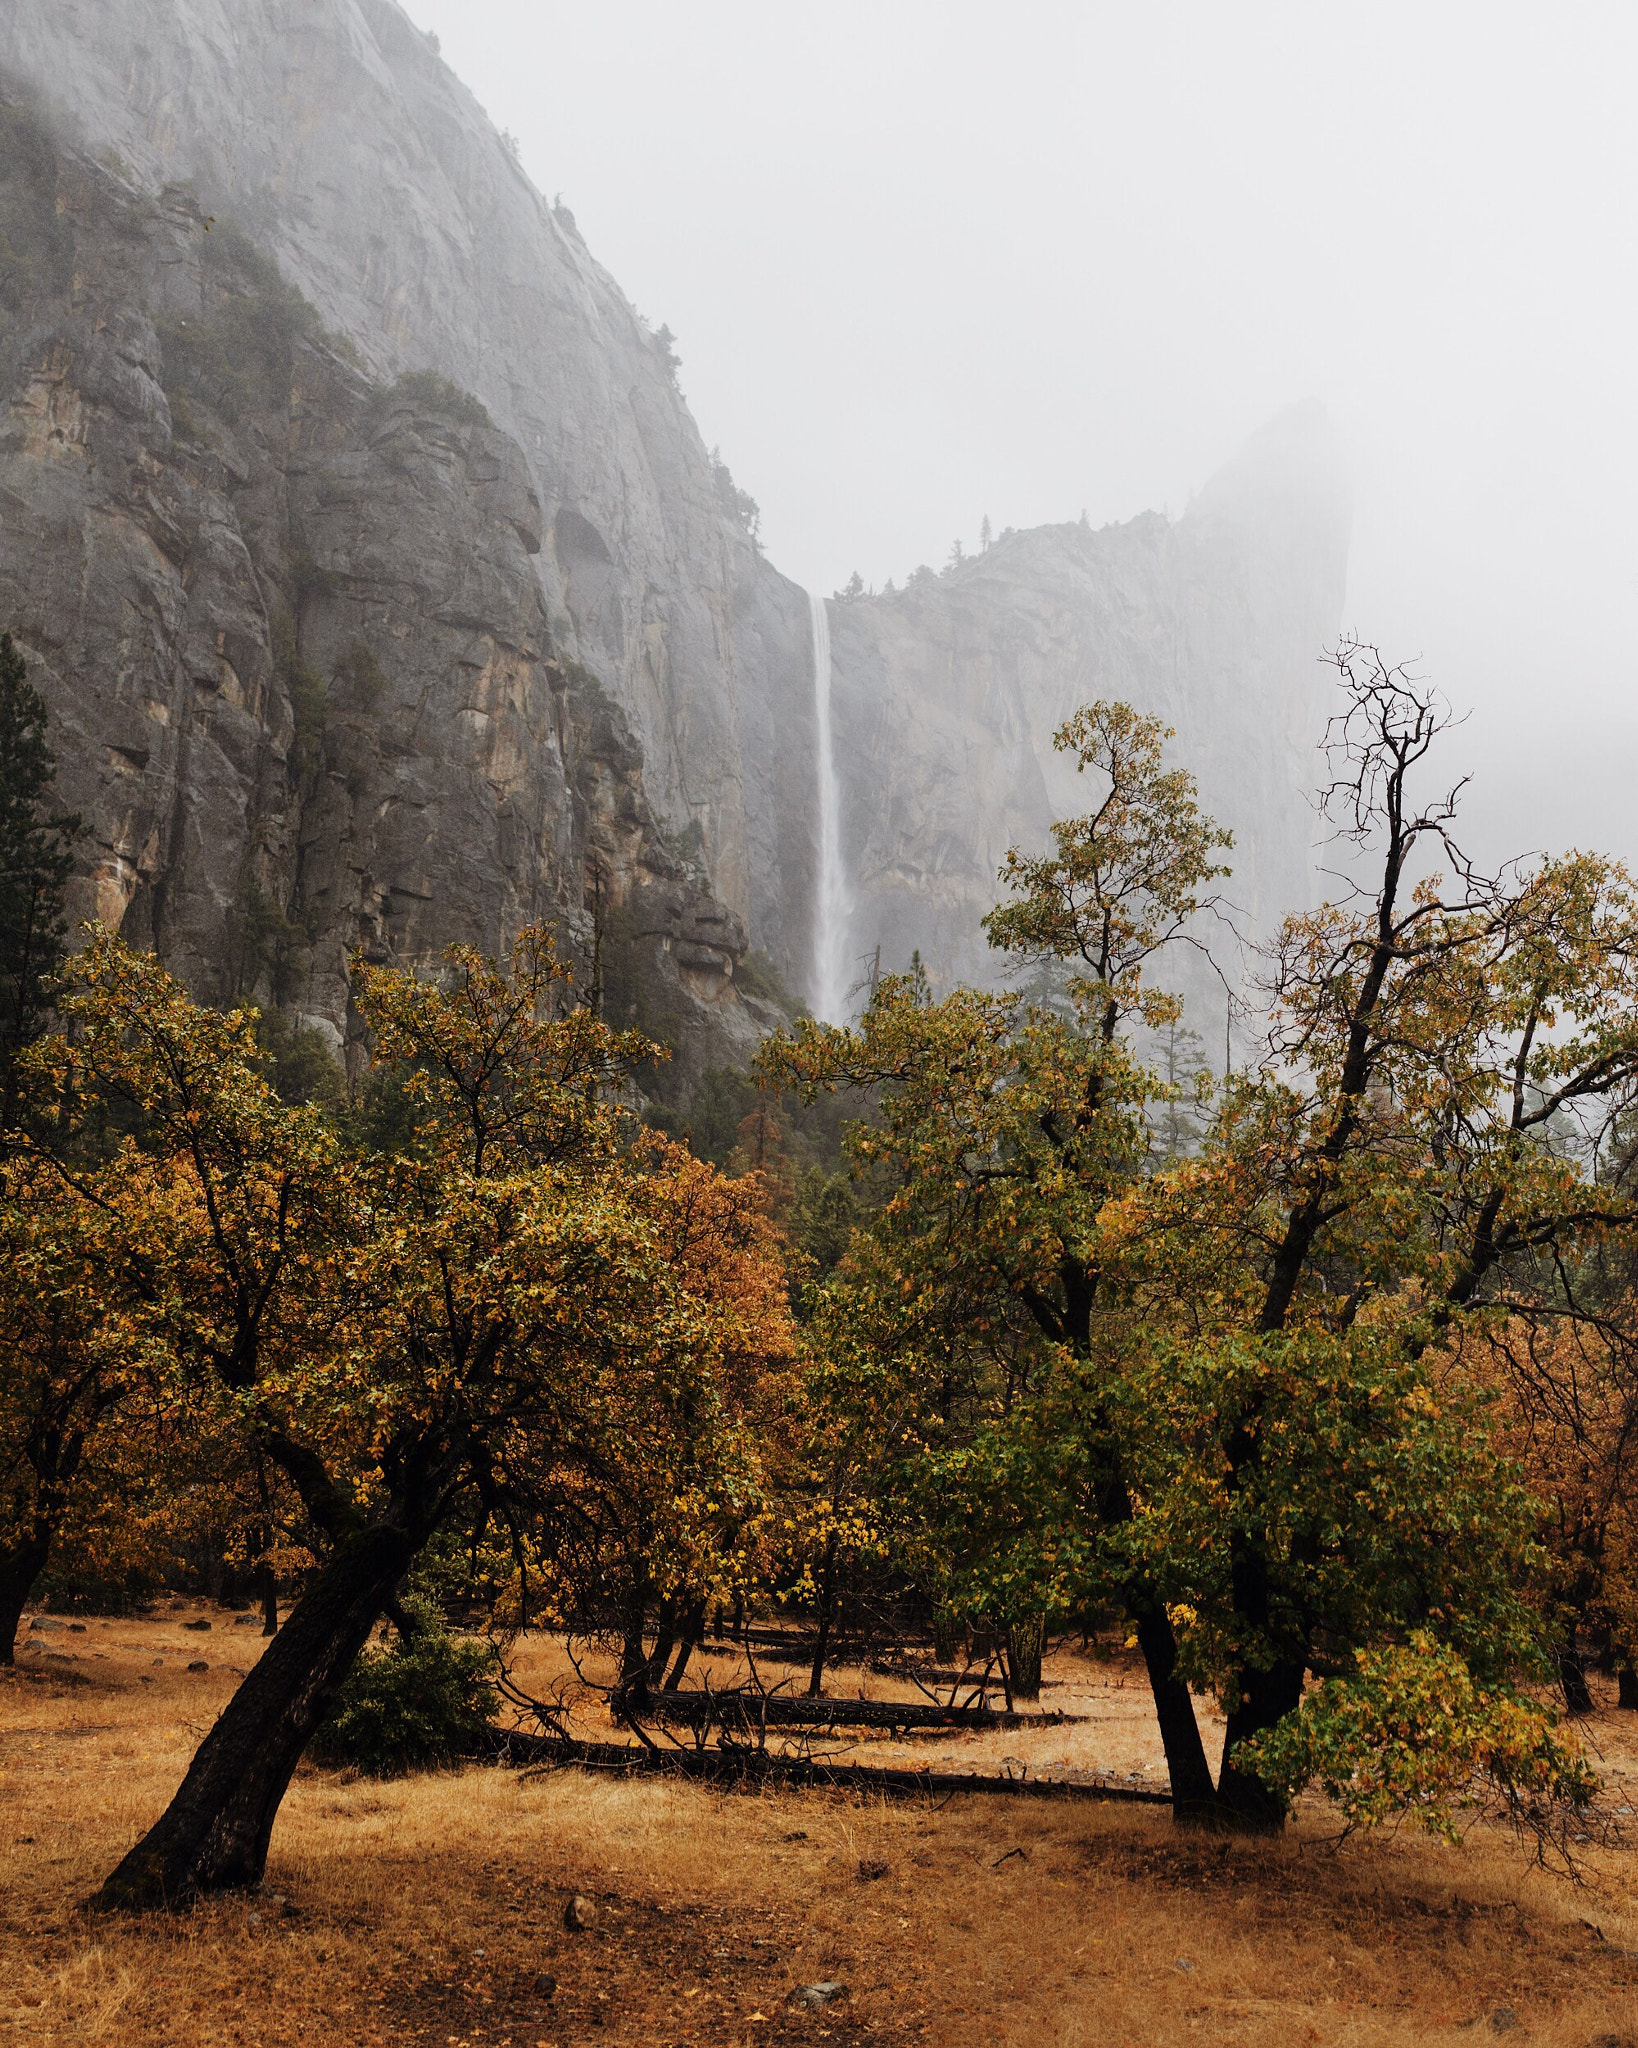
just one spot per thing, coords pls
(449, 618)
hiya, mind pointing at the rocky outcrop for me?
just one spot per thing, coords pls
(587, 521)
(301, 670)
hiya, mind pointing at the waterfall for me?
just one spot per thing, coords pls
(834, 903)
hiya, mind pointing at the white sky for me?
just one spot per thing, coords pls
(925, 262)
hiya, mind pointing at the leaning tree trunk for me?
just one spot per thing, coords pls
(20, 1566)
(215, 1832)
(693, 1630)
(1194, 1796)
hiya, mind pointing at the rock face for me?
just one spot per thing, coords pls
(947, 693)
(322, 653)
(287, 618)
(337, 139)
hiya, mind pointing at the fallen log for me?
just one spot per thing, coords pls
(759, 1767)
(780, 1710)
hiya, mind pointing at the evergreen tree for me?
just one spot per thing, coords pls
(36, 858)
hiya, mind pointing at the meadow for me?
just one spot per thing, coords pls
(431, 1909)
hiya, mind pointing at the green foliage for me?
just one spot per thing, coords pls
(361, 676)
(824, 1213)
(413, 1705)
(383, 1115)
(36, 860)
(308, 693)
(268, 943)
(714, 1124)
(297, 1060)
(1124, 881)
(1412, 1732)
(756, 975)
(36, 243)
(236, 354)
(1377, 1503)
(439, 394)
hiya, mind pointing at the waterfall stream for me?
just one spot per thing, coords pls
(834, 900)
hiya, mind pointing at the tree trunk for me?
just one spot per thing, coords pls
(827, 1600)
(1572, 1676)
(268, 1586)
(1244, 1801)
(633, 1658)
(665, 1641)
(215, 1832)
(1626, 1684)
(1194, 1797)
(263, 1577)
(20, 1566)
(692, 1632)
(946, 1635)
(1025, 1642)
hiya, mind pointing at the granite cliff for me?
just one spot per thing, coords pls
(448, 617)
(947, 692)
(287, 618)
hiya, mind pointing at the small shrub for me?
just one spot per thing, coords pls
(412, 1706)
(756, 975)
(237, 356)
(440, 394)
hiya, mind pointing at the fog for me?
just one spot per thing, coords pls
(931, 263)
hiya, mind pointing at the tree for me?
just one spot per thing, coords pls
(963, 1331)
(36, 860)
(1210, 1386)
(1396, 1165)
(73, 1354)
(464, 1333)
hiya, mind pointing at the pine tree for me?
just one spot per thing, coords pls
(36, 859)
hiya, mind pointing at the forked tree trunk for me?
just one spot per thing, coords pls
(692, 1632)
(634, 1667)
(20, 1565)
(215, 1832)
(1245, 1802)
(665, 1641)
(1194, 1796)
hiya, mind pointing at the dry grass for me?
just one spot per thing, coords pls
(431, 1910)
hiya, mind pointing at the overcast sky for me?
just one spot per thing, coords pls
(928, 262)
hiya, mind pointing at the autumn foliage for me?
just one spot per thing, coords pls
(1327, 1402)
